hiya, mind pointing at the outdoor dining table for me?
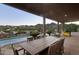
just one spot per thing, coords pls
(36, 46)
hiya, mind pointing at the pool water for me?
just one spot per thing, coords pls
(12, 40)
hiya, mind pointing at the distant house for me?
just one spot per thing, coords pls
(14, 32)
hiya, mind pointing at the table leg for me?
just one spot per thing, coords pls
(13, 48)
(0, 52)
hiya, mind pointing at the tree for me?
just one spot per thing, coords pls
(71, 28)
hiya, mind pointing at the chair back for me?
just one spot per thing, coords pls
(56, 48)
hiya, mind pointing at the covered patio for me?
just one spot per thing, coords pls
(61, 13)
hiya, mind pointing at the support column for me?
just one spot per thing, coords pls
(58, 28)
(44, 26)
(62, 28)
(0, 52)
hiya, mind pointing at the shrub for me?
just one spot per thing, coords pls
(34, 33)
(49, 32)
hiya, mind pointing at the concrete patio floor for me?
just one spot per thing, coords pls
(71, 45)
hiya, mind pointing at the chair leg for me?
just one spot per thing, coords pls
(16, 52)
(24, 51)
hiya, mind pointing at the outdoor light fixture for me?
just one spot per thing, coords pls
(65, 15)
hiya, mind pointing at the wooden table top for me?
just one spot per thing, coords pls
(36, 46)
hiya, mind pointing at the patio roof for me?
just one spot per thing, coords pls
(62, 12)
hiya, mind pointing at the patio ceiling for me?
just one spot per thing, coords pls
(62, 12)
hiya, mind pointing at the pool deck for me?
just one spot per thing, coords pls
(71, 46)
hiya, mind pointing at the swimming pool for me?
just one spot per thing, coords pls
(12, 40)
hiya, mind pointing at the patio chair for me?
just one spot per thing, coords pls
(62, 46)
(29, 39)
(16, 51)
(56, 48)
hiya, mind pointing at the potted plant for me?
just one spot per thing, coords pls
(34, 33)
(49, 32)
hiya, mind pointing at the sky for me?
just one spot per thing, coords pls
(76, 22)
(12, 16)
